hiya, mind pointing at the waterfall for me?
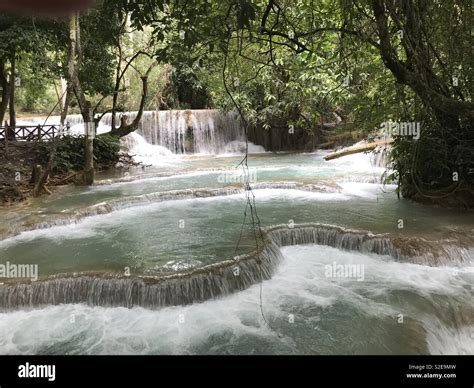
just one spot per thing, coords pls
(407, 249)
(206, 131)
(193, 286)
(222, 278)
(380, 156)
(191, 131)
(144, 152)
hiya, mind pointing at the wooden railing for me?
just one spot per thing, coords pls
(30, 132)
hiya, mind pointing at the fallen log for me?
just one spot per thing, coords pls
(357, 149)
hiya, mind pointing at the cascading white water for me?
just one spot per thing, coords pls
(424, 275)
(146, 153)
(205, 131)
(380, 157)
(191, 131)
(200, 284)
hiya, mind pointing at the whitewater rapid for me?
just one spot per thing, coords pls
(181, 216)
(307, 314)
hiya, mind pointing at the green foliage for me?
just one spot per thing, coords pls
(36, 92)
(99, 30)
(69, 152)
(297, 63)
(106, 150)
(31, 43)
(191, 92)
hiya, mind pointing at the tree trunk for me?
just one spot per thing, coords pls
(11, 129)
(426, 172)
(41, 176)
(421, 79)
(126, 128)
(84, 105)
(5, 91)
(89, 151)
(65, 106)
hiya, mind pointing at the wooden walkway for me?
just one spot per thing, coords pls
(31, 132)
